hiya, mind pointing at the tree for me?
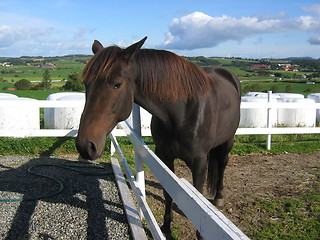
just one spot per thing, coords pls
(252, 88)
(288, 89)
(277, 74)
(73, 83)
(23, 84)
(263, 73)
(46, 80)
(274, 88)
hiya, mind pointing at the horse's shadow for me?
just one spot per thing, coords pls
(80, 192)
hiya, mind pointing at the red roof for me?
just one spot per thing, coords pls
(260, 66)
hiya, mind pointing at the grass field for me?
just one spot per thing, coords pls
(262, 86)
(33, 73)
(65, 66)
(301, 88)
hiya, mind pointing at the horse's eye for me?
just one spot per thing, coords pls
(117, 85)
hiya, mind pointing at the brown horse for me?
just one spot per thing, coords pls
(195, 110)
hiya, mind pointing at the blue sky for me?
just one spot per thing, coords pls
(230, 28)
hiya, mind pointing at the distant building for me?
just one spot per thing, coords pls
(284, 65)
(47, 65)
(6, 64)
(290, 69)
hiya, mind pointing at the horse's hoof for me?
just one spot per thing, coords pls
(199, 236)
(219, 202)
(166, 230)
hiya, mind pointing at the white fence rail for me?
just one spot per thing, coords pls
(208, 220)
(270, 130)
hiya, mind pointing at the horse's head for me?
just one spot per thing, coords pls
(109, 79)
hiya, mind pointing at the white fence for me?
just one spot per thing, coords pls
(204, 216)
(269, 130)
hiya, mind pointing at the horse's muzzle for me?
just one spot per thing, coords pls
(88, 150)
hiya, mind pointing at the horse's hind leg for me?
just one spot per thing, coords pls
(218, 160)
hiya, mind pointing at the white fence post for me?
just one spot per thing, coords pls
(269, 124)
(136, 123)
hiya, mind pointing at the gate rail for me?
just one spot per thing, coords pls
(208, 220)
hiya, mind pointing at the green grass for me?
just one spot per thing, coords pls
(287, 219)
(41, 146)
(294, 143)
(36, 146)
(301, 88)
(246, 144)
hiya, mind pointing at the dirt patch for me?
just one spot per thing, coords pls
(247, 178)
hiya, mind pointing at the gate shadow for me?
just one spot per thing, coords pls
(80, 192)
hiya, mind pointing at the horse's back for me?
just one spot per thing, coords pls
(226, 75)
(201, 123)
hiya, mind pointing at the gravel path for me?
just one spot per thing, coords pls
(89, 207)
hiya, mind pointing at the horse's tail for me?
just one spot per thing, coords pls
(217, 162)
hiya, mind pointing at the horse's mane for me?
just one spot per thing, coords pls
(161, 74)
(100, 65)
(170, 77)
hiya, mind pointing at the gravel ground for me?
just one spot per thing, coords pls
(89, 207)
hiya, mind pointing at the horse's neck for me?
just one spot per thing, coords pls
(157, 109)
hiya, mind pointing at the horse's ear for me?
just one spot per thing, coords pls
(96, 46)
(132, 50)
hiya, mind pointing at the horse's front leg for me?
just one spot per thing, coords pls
(168, 216)
(198, 169)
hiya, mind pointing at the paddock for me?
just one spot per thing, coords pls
(250, 180)
(227, 209)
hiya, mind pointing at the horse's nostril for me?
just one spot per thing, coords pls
(87, 150)
(92, 150)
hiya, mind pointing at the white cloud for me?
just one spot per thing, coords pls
(25, 35)
(10, 35)
(17, 41)
(199, 30)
